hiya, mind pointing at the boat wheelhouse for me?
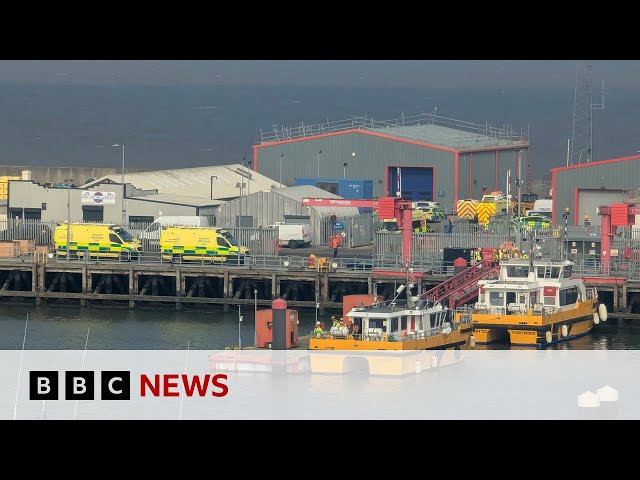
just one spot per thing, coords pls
(397, 325)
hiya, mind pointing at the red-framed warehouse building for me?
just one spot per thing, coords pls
(582, 188)
(426, 157)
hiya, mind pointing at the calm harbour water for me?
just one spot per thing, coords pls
(65, 328)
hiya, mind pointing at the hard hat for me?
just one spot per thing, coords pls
(317, 323)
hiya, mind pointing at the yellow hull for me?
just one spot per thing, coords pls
(532, 330)
(339, 356)
(383, 363)
(488, 335)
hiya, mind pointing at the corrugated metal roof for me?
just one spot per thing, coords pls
(425, 127)
(178, 200)
(309, 191)
(196, 182)
(446, 137)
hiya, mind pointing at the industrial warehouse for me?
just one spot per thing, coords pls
(423, 157)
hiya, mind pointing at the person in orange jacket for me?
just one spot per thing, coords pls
(335, 243)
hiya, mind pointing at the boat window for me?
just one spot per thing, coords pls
(481, 298)
(519, 271)
(549, 300)
(569, 296)
(403, 323)
(533, 298)
(522, 298)
(495, 299)
(566, 271)
(394, 324)
(377, 323)
(549, 272)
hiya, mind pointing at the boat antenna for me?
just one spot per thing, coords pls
(84, 355)
(399, 290)
(24, 339)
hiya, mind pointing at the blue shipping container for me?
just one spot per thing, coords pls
(343, 187)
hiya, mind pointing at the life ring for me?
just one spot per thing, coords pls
(355, 329)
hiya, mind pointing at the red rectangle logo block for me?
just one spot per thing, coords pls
(619, 214)
(550, 291)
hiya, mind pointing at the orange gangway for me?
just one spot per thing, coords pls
(463, 287)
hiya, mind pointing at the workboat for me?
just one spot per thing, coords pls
(394, 337)
(534, 303)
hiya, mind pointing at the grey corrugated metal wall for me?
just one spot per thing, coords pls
(613, 175)
(25, 194)
(373, 155)
(483, 170)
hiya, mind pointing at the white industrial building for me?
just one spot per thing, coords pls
(285, 205)
(220, 182)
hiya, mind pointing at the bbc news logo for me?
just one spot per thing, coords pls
(116, 385)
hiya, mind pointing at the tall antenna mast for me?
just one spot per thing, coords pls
(583, 106)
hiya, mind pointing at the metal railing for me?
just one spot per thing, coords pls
(475, 132)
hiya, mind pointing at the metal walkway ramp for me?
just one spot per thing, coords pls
(462, 287)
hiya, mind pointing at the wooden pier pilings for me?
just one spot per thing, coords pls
(131, 285)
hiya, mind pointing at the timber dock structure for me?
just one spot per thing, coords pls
(153, 285)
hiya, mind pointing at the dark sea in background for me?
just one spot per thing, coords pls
(187, 126)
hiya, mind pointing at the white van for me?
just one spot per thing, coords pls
(293, 236)
(151, 236)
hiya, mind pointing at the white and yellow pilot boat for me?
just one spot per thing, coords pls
(392, 338)
(534, 303)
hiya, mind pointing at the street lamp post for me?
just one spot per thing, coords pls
(124, 210)
(319, 153)
(255, 317)
(565, 217)
(211, 179)
(239, 324)
(317, 305)
(280, 177)
(68, 182)
(344, 170)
